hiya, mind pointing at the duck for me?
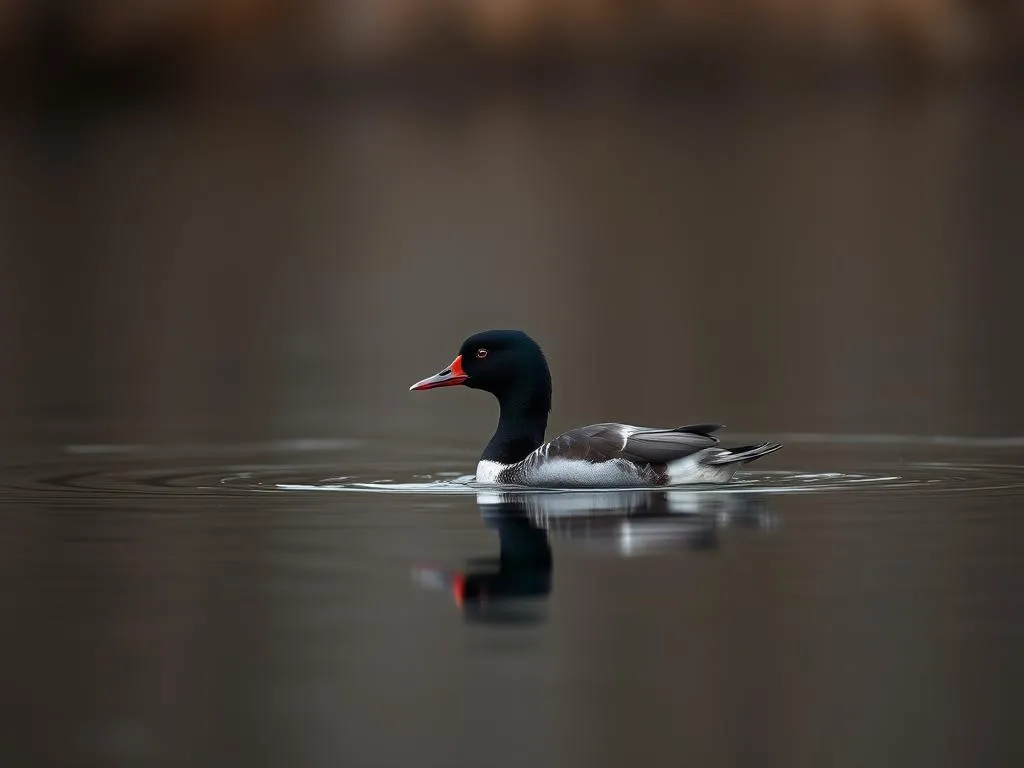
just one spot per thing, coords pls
(511, 366)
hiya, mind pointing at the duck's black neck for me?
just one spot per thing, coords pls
(521, 425)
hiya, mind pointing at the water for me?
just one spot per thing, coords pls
(231, 536)
(856, 602)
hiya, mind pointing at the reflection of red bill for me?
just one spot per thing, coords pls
(451, 376)
(435, 578)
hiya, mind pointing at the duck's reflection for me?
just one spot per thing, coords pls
(508, 588)
(512, 587)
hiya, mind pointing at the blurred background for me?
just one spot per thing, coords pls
(193, 44)
(231, 218)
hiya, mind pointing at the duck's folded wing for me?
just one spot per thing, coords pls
(600, 442)
(660, 446)
(596, 442)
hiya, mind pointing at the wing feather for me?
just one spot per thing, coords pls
(663, 446)
(603, 442)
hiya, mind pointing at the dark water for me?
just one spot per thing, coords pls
(230, 536)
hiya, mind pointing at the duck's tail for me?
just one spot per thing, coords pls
(742, 454)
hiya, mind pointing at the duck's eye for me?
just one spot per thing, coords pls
(481, 354)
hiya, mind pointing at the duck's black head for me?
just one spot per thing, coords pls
(508, 364)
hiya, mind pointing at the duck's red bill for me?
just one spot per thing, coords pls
(449, 377)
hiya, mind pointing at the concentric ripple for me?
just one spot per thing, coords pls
(316, 466)
(919, 477)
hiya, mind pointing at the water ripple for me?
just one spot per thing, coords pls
(106, 473)
(919, 477)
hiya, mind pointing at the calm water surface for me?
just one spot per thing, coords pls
(231, 536)
(850, 604)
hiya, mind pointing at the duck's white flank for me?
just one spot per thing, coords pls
(487, 471)
(691, 469)
(614, 473)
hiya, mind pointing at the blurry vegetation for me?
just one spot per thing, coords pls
(196, 43)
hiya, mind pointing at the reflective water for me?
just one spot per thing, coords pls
(200, 604)
(231, 536)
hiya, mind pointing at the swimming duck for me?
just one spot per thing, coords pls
(511, 366)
